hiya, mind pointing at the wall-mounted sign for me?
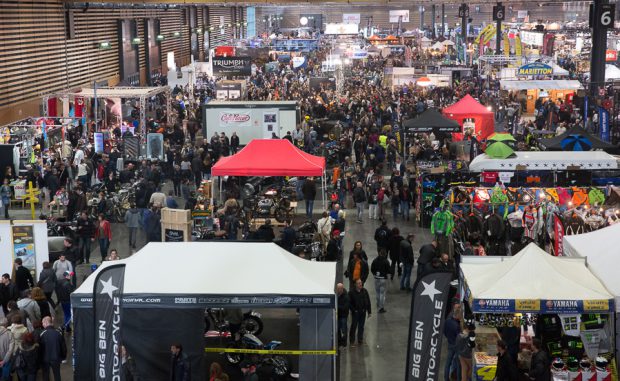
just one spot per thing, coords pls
(224, 66)
(351, 18)
(23, 246)
(396, 14)
(535, 68)
(235, 118)
(611, 55)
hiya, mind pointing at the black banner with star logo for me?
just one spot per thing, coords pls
(107, 300)
(429, 301)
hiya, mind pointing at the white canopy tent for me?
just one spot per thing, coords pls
(280, 272)
(535, 276)
(545, 160)
(612, 72)
(173, 283)
(438, 46)
(601, 250)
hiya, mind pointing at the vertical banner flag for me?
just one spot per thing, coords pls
(603, 124)
(558, 233)
(585, 111)
(107, 298)
(428, 306)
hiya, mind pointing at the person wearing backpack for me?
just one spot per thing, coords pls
(382, 236)
(26, 359)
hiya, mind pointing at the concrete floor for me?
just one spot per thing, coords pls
(381, 357)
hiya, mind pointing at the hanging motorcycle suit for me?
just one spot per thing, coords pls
(530, 225)
(493, 228)
(442, 226)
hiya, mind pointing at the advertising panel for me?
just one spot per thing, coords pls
(395, 15)
(341, 28)
(228, 66)
(351, 18)
(23, 246)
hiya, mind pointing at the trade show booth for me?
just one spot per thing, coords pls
(470, 114)
(161, 298)
(534, 294)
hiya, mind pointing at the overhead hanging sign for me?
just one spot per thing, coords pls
(428, 310)
(238, 66)
(341, 28)
(533, 38)
(395, 15)
(542, 306)
(351, 18)
(535, 68)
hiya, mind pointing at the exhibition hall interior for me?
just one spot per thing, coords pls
(320, 191)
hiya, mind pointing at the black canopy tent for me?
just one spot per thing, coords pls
(555, 143)
(431, 120)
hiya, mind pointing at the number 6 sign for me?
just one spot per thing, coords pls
(605, 16)
(499, 13)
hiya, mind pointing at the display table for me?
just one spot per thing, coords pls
(484, 366)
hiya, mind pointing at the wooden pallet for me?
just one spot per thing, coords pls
(257, 222)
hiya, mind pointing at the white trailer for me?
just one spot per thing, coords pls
(249, 119)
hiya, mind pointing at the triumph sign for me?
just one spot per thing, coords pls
(107, 299)
(428, 307)
(232, 66)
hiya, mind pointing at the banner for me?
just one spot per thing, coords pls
(518, 47)
(395, 15)
(535, 68)
(238, 118)
(543, 306)
(429, 302)
(23, 246)
(232, 66)
(591, 339)
(107, 298)
(558, 235)
(603, 124)
(351, 18)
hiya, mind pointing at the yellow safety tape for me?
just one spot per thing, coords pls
(270, 352)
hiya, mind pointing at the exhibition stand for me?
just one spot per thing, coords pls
(470, 114)
(167, 287)
(558, 298)
(25, 239)
(576, 133)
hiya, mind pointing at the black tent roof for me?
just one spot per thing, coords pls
(555, 143)
(431, 120)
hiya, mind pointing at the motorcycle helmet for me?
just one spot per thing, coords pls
(601, 363)
(572, 364)
(585, 364)
(557, 364)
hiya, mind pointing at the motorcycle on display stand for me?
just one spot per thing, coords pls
(273, 203)
(278, 365)
(252, 322)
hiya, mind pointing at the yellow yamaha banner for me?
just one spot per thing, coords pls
(506, 45)
(518, 47)
(527, 305)
(489, 28)
(271, 352)
(596, 305)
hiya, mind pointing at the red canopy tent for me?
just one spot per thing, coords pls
(270, 157)
(469, 108)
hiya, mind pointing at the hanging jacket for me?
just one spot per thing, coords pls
(552, 194)
(580, 197)
(596, 197)
(529, 224)
(563, 196)
(493, 227)
(442, 222)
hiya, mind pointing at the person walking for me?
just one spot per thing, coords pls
(406, 198)
(381, 269)
(86, 235)
(64, 288)
(343, 314)
(179, 364)
(540, 364)
(53, 350)
(506, 368)
(394, 251)
(359, 197)
(47, 281)
(9, 292)
(7, 346)
(359, 304)
(28, 350)
(406, 258)
(451, 330)
(309, 192)
(132, 220)
(357, 269)
(103, 233)
(23, 278)
(382, 236)
(427, 253)
(5, 197)
(465, 343)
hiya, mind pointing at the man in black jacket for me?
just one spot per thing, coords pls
(8, 291)
(406, 258)
(53, 349)
(23, 278)
(359, 197)
(309, 192)
(360, 305)
(382, 236)
(427, 253)
(539, 368)
(506, 368)
(343, 314)
(179, 364)
(381, 269)
(86, 234)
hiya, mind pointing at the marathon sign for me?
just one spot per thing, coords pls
(232, 66)
(535, 68)
(205, 301)
(428, 310)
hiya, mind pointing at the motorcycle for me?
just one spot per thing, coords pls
(279, 364)
(273, 204)
(251, 323)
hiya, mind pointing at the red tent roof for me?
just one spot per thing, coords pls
(270, 157)
(467, 105)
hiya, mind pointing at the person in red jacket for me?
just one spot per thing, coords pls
(103, 234)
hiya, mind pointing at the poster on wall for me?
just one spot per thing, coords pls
(23, 246)
(155, 146)
(396, 14)
(351, 18)
(270, 124)
(229, 119)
